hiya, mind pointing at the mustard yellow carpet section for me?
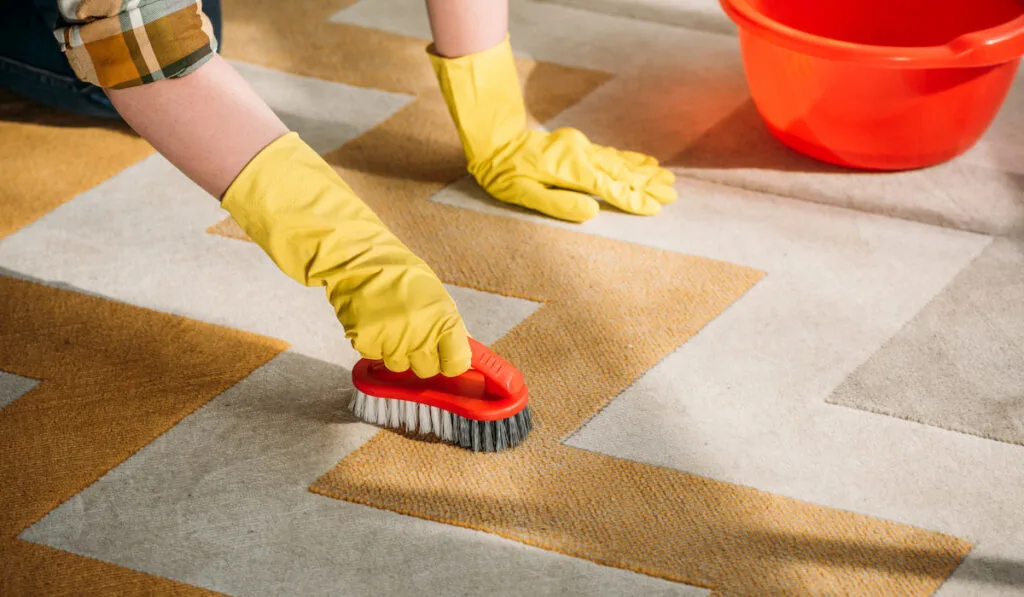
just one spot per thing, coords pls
(611, 311)
(48, 157)
(113, 377)
(101, 396)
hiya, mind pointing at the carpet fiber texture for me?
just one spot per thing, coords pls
(760, 391)
(110, 381)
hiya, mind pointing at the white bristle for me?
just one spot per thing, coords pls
(357, 404)
(370, 409)
(412, 414)
(435, 420)
(447, 427)
(382, 411)
(395, 413)
(425, 427)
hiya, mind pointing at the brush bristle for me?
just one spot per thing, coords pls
(478, 436)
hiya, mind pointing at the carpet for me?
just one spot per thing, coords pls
(959, 364)
(740, 396)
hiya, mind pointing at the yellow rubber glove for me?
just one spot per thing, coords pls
(557, 173)
(314, 227)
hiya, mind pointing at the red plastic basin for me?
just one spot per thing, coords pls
(879, 84)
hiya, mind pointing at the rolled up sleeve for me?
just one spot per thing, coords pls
(117, 44)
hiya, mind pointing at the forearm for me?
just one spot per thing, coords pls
(462, 27)
(209, 124)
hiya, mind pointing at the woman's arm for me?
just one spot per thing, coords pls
(208, 124)
(463, 27)
(558, 174)
(214, 128)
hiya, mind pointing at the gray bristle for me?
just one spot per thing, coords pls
(475, 435)
(525, 422)
(488, 445)
(501, 436)
(478, 436)
(462, 431)
(514, 437)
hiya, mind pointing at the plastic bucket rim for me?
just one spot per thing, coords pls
(972, 49)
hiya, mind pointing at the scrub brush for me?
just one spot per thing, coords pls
(484, 409)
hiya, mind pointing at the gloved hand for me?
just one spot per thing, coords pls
(554, 173)
(314, 227)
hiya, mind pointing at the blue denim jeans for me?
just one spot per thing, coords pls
(32, 65)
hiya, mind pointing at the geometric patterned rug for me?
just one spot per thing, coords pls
(781, 423)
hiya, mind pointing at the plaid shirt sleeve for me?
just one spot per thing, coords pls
(125, 43)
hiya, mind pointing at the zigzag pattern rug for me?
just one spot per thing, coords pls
(821, 395)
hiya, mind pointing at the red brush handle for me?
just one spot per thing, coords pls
(501, 377)
(490, 390)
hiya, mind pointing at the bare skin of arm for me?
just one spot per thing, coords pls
(209, 124)
(462, 27)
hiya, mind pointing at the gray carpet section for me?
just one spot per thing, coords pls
(702, 15)
(983, 191)
(13, 387)
(959, 364)
(221, 501)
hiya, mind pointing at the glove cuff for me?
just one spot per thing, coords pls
(302, 214)
(484, 98)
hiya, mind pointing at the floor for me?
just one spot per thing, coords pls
(872, 366)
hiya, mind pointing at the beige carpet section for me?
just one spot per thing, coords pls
(13, 387)
(959, 364)
(982, 191)
(611, 294)
(110, 382)
(36, 154)
(706, 15)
